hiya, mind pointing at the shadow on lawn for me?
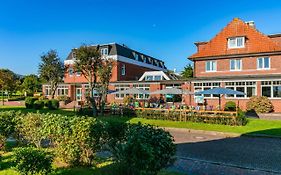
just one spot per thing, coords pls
(244, 151)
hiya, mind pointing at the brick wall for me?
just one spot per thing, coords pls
(249, 67)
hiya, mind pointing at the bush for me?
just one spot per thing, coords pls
(29, 101)
(38, 104)
(46, 103)
(145, 150)
(53, 104)
(29, 128)
(33, 161)
(260, 104)
(63, 98)
(7, 126)
(230, 106)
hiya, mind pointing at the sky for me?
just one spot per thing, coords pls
(164, 29)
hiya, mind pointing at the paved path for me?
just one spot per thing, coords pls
(216, 154)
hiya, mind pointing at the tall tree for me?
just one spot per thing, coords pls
(88, 61)
(51, 70)
(187, 72)
(8, 81)
(31, 84)
(105, 74)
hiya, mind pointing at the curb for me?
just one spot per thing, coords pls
(224, 134)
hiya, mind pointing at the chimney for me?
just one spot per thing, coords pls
(251, 23)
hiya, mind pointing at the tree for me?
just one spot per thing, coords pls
(51, 70)
(88, 61)
(8, 80)
(31, 84)
(105, 74)
(187, 72)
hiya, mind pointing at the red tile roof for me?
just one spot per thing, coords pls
(256, 42)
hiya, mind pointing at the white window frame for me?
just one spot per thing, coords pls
(104, 51)
(235, 64)
(213, 66)
(200, 87)
(271, 85)
(120, 88)
(262, 67)
(123, 69)
(145, 87)
(236, 84)
(235, 46)
(70, 70)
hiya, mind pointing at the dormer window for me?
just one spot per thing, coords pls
(73, 55)
(136, 56)
(104, 51)
(236, 42)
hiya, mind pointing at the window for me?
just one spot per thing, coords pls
(123, 69)
(263, 63)
(205, 86)
(136, 56)
(145, 87)
(47, 90)
(73, 55)
(248, 87)
(236, 42)
(271, 89)
(266, 91)
(121, 88)
(104, 51)
(235, 64)
(70, 71)
(62, 90)
(211, 66)
(78, 73)
(157, 77)
(148, 78)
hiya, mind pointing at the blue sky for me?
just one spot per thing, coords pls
(163, 29)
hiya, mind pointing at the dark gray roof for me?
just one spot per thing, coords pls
(122, 50)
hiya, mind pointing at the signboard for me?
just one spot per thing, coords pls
(199, 99)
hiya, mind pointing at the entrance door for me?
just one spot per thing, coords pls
(78, 94)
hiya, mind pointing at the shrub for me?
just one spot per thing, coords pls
(230, 106)
(38, 104)
(46, 102)
(260, 104)
(7, 126)
(145, 150)
(29, 101)
(63, 98)
(53, 104)
(29, 128)
(33, 161)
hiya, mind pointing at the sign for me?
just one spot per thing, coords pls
(199, 99)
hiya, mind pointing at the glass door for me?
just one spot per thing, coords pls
(78, 94)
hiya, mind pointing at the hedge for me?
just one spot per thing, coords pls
(194, 117)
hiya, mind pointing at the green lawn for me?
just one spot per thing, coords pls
(105, 168)
(254, 126)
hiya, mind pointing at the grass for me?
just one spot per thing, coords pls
(254, 126)
(104, 168)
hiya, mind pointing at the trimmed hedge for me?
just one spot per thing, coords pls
(53, 104)
(29, 101)
(230, 106)
(38, 104)
(193, 117)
